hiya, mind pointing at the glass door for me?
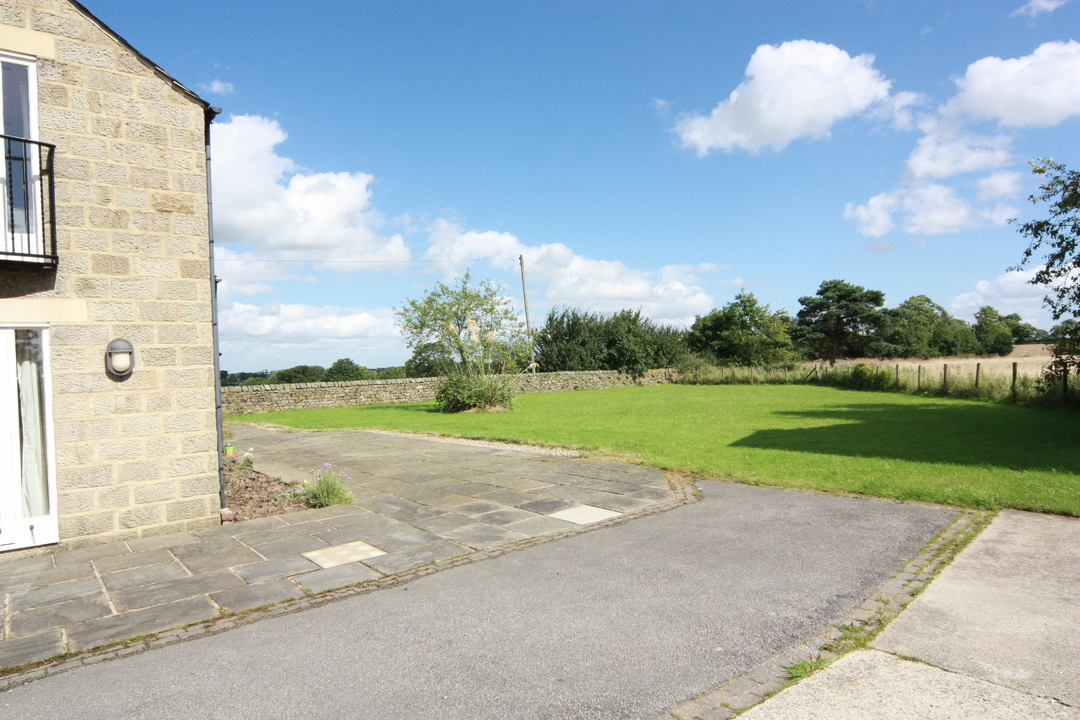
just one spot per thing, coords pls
(27, 478)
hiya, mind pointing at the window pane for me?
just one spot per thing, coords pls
(28, 373)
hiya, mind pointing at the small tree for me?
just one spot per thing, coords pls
(471, 335)
(992, 332)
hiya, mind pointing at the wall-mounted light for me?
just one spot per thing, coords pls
(119, 357)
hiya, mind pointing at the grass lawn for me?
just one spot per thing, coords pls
(971, 454)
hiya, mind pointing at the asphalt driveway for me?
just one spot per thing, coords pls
(619, 623)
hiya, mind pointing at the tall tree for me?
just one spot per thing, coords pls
(840, 319)
(743, 332)
(992, 332)
(1058, 236)
(570, 339)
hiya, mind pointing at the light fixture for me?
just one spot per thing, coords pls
(119, 357)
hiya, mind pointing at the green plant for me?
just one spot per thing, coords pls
(326, 489)
(249, 459)
(457, 393)
(806, 666)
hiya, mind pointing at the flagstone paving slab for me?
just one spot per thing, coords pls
(335, 577)
(264, 593)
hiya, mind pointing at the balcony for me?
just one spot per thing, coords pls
(27, 208)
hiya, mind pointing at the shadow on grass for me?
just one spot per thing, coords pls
(956, 433)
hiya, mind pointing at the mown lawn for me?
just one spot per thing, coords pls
(957, 452)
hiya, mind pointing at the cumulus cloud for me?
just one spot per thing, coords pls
(945, 151)
(1002, 183)
(669, 295)
(1037, 7)
(880, 247)
(278, 335)
(217, 87)
(268, 204)
(875, 218)
(1037, 90)
(1010, 292)
(798, 89)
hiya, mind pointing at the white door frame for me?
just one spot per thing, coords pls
(16, 530)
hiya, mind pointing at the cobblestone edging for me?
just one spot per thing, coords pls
(238, 399)
(740, 693)
(681, 486)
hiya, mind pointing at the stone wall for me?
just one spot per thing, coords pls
(136, 456)
(243, 399)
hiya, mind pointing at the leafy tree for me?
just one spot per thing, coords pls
(475, 327)
(570, 339)
(345, 370)
(392, 373)
(840, 319)
(298, 374)
(743, 332)
(1058, 236)
(992, 332)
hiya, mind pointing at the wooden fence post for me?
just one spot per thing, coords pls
(898, 376)
(978, 366)
(1014, 382)
(945, 379)
(918, 381)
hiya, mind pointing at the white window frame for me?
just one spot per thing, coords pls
(35, 238)
(17, 531)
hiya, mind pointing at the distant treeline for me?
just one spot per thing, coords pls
(342, 370)
(840, 321)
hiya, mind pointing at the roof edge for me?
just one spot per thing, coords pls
(154, 66)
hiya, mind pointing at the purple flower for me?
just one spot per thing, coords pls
(326, 465)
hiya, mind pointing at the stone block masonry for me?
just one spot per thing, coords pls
(249, 399)
(136, 456)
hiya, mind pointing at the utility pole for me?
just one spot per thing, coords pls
(528, 323)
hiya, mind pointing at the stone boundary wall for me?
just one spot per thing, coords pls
(245, 399)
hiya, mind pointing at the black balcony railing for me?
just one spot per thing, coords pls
(28, 211)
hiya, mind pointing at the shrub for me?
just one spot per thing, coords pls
(471, 392)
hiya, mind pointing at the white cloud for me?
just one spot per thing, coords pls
(880, 247)
(944, 151)
(1037, 7)
(1037, 90)
(875, 218)
(267, 203)
(291, 323)
(1002, 183)
(798, 89)
(668, 295)
(217, 87)
(1010, 292)
(934, 209)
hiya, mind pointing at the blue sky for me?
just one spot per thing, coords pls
(653, 155)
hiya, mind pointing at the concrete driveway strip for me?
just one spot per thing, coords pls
(620, 623)
(872, 685)
(1007, 610)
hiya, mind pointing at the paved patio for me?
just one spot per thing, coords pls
(417, 502)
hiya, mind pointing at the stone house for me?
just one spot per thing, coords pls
(109, 427)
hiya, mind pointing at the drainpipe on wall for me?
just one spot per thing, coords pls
(211, 113)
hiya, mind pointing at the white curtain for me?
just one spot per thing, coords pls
(35, 487)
